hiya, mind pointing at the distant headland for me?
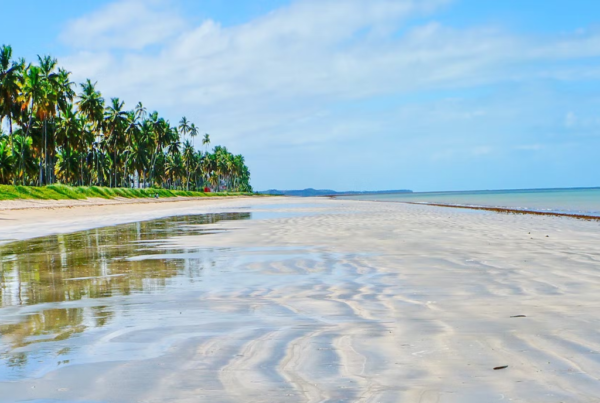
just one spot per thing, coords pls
(327, 192)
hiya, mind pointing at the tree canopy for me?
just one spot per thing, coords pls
(57, 134)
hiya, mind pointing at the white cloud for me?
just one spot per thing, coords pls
(130, 24)
(570, 119)
(530, 147)
(481, 150)
(311, 51)
(285, 79)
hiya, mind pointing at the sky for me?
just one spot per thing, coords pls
(350, 94)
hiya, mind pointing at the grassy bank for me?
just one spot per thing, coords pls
(62, 192)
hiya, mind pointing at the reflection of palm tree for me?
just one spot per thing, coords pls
(43, 270)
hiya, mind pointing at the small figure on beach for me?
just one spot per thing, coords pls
(156, 195)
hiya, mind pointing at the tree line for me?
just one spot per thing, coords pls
(58, 135)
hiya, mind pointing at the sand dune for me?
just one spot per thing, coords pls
(358, 302)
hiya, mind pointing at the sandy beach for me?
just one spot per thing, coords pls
(22, 219)
(318, 300)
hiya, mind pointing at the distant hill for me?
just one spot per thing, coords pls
(327, 192)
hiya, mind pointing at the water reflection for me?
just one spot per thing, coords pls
(50, 272)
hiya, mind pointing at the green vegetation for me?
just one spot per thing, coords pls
(62, 192)
(58, 136)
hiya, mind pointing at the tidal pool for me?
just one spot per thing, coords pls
(55, 288)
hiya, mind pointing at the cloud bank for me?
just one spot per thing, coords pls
(351, 94)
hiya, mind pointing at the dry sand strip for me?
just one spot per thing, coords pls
(26, 204)
(22, 219)
(364, 302)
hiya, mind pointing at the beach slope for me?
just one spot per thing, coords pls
(318, 300)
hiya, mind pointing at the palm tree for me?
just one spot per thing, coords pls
(51, 138)
(23, 147)
(206, 141)
(10, 86)
(193, 132)
(140, 112)
(63, 89)
(184, 126)
(48, 103)
(132, 132)
(189, 161)
(91, 106)
(32, 91)
(6, 161)
(68, 162)
(115, 120)
(74, 134)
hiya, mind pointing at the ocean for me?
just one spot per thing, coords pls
(584, 201)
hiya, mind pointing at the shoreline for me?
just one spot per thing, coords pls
(29, 204)
(503, 210)
(48, 217)
(500, 210)
(15, 207)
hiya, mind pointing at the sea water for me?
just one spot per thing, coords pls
(584, 201)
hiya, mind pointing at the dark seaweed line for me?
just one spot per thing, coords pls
(513, 211)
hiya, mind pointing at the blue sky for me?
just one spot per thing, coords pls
(351, 95)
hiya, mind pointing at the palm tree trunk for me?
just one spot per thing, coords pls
(10, 131)
(115, 165)
(125, 171)
(81, 163)
(45, 151)
(12, 142)
(23, 143)
(153, 163)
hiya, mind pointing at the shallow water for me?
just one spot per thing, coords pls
(381, 302)
(571, 201)
(56, 288)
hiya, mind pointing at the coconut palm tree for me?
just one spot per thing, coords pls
(91, 106)
(53, 136)
(10, 86)
(31, 92)
(68, 165)
(206, 141)
(23, 148)
(115, 121)
(140, 112)
(47, 107)
(184, 126)
(189, 161)
(193, 132)
(6, 161)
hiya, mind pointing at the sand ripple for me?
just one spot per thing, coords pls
(363, 302)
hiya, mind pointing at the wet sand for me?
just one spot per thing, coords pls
(315, 300)
(22, 219)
